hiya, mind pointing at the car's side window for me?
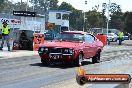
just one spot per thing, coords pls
(89, 38)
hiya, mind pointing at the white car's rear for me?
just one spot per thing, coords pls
(112, 37)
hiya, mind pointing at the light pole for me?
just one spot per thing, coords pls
(21, 5)
(108, 17)
(84, 17)
(84, 21)
(107, 6)
(27, 6)
(47, 7)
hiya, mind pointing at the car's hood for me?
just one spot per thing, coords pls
(62, 44)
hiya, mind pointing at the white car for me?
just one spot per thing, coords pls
(112, 37)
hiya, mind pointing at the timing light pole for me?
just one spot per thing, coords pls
(84, 21)
(84, 18)
(108, 18)
(108, 7)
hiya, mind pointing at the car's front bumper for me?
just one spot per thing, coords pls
(58, 57)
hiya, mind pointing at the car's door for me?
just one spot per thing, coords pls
(90, 45)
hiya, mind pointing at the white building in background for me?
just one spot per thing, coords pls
(36, 25)
(33, 24)
(59, 17)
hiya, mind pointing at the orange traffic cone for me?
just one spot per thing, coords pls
(80, 77)
(81, 71)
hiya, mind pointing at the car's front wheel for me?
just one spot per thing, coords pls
(96, 58)
(79, 60)
(44, 62)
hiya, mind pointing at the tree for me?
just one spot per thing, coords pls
(76, 20)
(115, 8)
(8, 6)
(94, 19)
(1, 1)
(116, 21)
(1, 5)
(5, 5)
(42, 6)
(39, 6)
(20, 6)
(66, 6)
(53, 4)
(128, 22)
(76, 16)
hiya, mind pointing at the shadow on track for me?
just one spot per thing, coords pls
(60, 65)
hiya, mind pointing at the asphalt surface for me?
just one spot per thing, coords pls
(28, 72)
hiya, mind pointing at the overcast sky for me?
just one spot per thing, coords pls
(126, 5)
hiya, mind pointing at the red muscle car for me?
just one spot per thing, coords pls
(71, 46)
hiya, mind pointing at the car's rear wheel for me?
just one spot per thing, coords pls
(96, 58)
(79, 60)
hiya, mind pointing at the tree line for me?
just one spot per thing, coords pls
(93, 18)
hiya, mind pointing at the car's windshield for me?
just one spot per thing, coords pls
(70, 37)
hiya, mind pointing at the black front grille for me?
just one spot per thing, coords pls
(55, 50)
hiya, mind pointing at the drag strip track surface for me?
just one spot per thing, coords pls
(28, 72)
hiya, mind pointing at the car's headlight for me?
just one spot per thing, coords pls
(46, 49)
(68, 51)
(42, 49)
